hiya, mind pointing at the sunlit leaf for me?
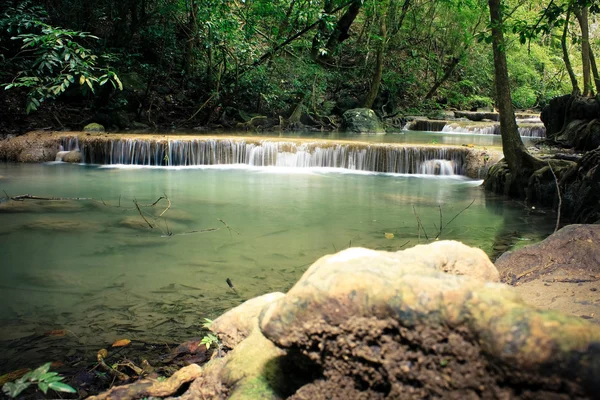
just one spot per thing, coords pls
(43, 387)
(121, 343)
(61, 387)
(389, 235)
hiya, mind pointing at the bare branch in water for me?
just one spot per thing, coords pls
(453, 218)
(230, 229)
(420, 224)
(404, 244)
(142, 214)
(139, 207)
(23, 197)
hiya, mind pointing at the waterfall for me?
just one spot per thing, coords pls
(69, 143)
(472, 129)
(529, 130)
(532, 130)
(426, 125)
(354, 156)
(437, 167)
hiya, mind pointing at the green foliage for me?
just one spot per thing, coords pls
(42, 378)
(52, 59)
(524, 97)
(210, 339)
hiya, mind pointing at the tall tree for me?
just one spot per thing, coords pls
(520, 162)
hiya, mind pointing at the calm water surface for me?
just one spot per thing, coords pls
(95, 269)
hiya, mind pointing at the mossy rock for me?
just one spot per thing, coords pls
(93, 127)
(362, 120)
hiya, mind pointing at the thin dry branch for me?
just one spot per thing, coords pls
(230, 229)
(453, 218)
(23, 197)
(142, 214)
(420, 224)
(559, 198)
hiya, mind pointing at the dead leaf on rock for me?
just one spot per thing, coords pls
(11, 376)
(121, 343)
(56, 332)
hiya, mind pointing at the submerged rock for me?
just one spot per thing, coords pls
(364, 324)
(72, 157)
(361, 120)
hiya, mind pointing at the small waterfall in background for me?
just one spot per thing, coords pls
(352, 156)
(437, 167)
(472, 129)
(425, 125)
(529, 129)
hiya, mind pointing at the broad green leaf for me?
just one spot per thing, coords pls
(43, 387)
(61, 387)
(47, 375)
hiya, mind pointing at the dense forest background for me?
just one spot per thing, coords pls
(188, 63)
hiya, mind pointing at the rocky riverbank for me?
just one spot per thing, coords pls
(426, 322)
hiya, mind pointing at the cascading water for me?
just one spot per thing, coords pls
(529, 130)
(353, 156)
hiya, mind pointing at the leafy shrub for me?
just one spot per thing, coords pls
(51, 59)
(524, 97)
(42, 377)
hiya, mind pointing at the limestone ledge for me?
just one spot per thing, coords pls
(43, 146)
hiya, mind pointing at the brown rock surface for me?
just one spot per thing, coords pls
(379, 329)
(560, 273)
(571, 254)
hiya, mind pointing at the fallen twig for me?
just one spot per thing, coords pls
(23, 197)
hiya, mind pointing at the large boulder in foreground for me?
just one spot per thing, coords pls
(361, 120)
(364, 324)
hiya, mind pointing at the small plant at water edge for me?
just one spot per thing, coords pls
(209, 339)
(42, 377)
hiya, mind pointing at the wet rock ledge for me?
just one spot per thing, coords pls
(97, 147)
(427, 322)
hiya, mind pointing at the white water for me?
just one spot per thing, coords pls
(267, 153)
(538, 131)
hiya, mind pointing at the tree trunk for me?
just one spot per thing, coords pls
(192, 33)
(595, 70)
(377, 74)
(582, 17)
(563, 42)
(388, 15)
(343, 26)
(516, 155)
(449, 70)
